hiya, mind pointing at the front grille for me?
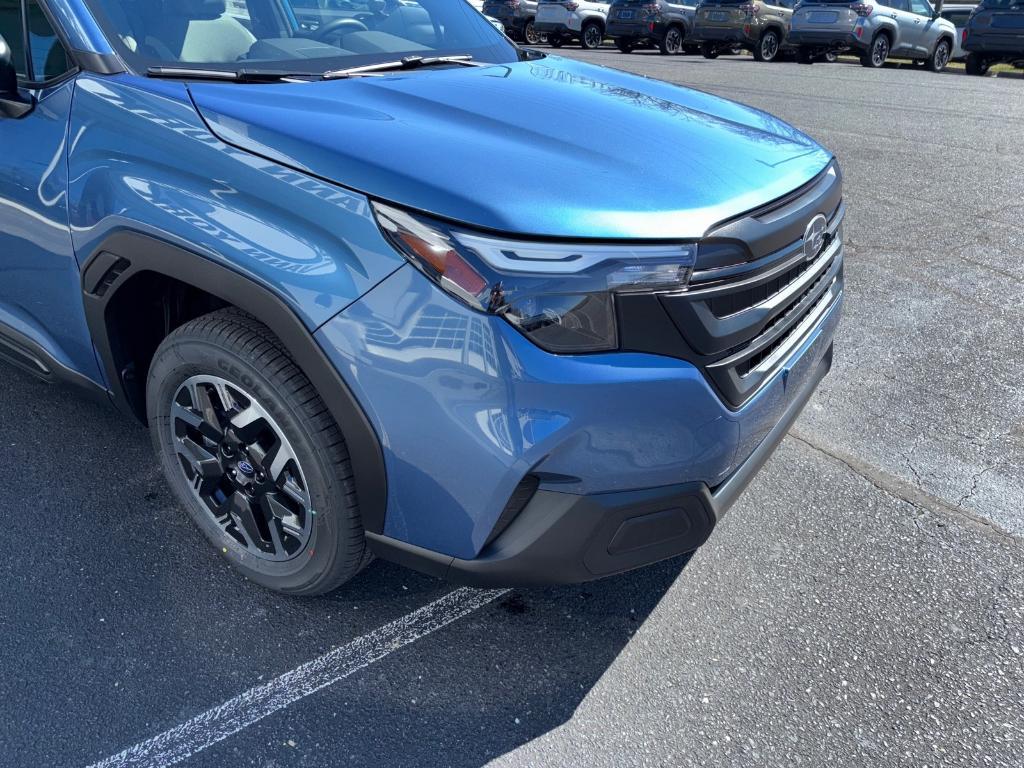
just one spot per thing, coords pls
(754, 294)
(732, 303)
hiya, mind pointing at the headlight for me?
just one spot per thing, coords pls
(560, 295)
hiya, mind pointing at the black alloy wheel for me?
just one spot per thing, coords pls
(672, 43)
(252, 453)
(940, 56)
(875, 56)
(241, 467)
(768, 48)
(591, 36)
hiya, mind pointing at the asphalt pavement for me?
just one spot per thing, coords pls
(863, 604)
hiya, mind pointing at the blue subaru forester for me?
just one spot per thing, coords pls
(346, 261)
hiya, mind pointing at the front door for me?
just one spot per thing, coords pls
(40, 286)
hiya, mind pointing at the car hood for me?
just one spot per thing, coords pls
(550, 147)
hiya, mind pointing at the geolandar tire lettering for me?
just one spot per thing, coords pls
(253, 455)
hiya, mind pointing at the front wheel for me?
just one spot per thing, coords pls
(940, 56)
(709, 51)
(672, 43)
(591, 36)
(831, 57)
(252, 453)
(875, 56)
(768, 48)
(977, 65)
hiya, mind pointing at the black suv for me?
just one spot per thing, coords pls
(660, 23)
(994, 34)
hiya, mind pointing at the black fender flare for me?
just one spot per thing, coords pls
(125, 254)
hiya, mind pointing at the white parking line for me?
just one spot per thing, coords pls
(184, 740)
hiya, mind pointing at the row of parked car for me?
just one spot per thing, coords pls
(811, 30)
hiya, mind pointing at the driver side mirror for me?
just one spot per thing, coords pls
(12, 102)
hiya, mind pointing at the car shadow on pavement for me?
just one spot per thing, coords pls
(121, 621)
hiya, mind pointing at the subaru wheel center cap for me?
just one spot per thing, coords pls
(246, 468)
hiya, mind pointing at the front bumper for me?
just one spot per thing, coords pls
(467, 408)
(569, 538)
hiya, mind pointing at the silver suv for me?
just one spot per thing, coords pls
(902, 29)
(564, 20)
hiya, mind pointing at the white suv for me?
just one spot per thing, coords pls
(563, 20)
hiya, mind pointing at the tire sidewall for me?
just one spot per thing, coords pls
(778, 45)
(933, 61)
(185, 358)
(587, 26)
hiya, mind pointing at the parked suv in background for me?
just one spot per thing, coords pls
(638, 23)
(995, 34)
(876, 31)
(517, 16)
(958, 15)
(565, 20)
(761, 28)
(343, 347)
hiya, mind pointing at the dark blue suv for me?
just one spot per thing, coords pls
(307, 245)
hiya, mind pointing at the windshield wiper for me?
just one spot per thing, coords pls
(231, 75)
(409, 62)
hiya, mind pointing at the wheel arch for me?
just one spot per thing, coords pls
(118, 279)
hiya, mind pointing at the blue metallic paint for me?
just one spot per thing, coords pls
(78, 25)
(40, 293)
(141, 159)
(463, 403)
(473, 145)
(465, 406)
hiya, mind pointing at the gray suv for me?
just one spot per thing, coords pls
(760, 27)
(517, 16)
(661, 23)
(875, 29)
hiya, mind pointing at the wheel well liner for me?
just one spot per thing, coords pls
(128, 258)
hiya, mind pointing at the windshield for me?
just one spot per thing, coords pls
(295, 36)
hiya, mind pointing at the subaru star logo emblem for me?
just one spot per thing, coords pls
(814, 236)
(246, 468)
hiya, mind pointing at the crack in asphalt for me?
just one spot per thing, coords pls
(910, 494)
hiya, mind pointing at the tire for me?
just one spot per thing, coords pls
(940, 56)
(672, 43)
(805, 55)
(831, 57)
(976, 65)
(875, 56)
(555, 41)
(625, 44)
(252, 453)
(709, 51)
(530, 34)
(591, 36)
(768, 47)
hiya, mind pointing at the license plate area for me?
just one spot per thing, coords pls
(822, 17)
(624, 15)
